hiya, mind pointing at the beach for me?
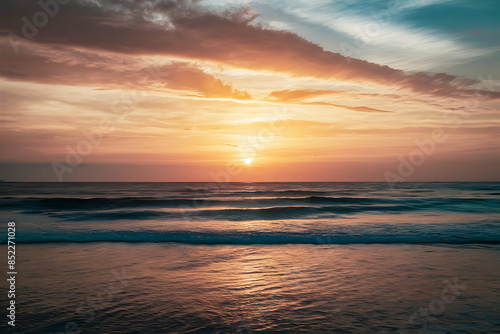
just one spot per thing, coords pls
(175, 288)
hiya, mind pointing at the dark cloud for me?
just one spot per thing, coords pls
(184, 29)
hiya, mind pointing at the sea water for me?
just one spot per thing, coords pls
(255, 257)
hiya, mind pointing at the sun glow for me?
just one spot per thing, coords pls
(248, 161)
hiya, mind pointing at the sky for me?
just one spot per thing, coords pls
(249, 91)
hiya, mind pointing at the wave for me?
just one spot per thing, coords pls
(275, 204)
(123, 202)
(247, 238)
(71, 203)
(242, 214)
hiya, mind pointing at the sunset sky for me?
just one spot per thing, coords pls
(250, 90)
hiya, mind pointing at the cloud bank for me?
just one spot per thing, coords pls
(185, 29)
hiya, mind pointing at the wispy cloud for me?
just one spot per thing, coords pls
(300, 97)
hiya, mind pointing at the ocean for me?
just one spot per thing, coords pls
(254, 257)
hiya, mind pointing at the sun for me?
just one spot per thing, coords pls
(248, 161)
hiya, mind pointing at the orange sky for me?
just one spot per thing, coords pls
(180, 92)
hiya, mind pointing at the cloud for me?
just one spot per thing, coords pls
(231, 145)
(290, 94)
(67, 67)
(389, 33)
(361, 108)
(298, 96)
(184, 29)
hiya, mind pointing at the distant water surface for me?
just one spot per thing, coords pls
(264, 213)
